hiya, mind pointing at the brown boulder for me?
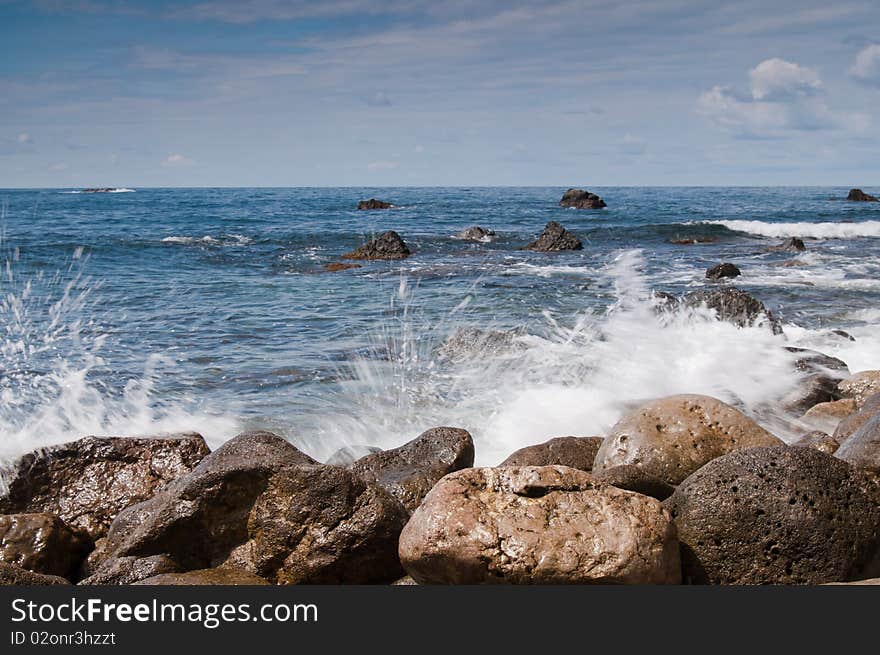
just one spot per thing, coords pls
(580, 199)
(88, 482)
(633, 478)
(853, 422)
(860, 386)
(409, 472)
(260, 505)
(574, 452)
(672, 437)
(205, 577)
(10, 574)
(538, 525)
(42, 543)
(388, 245)
(722, 271)
(828, 415)
(857, 195)
(335, 267)
(555, 238)
(820, 441)
(862, 447)
(777, 516)
(128, 570)
(372, 203)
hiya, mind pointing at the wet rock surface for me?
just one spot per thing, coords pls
(373, 203)
(862, 447)
(723, 271)
(580, 199)
(734, 306)
(213, 577)
(10, 574)
(388, 245)
(857, 195)
(42, 543)
(820, 441)
(555, 238)
(476, 233)
(860, 386)
(574, 452)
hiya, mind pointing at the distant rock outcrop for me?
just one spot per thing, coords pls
(790, 245)
(475, 233)
(388, 245)
(555, 238)
(721, 271)
(857, 195)
(372, 203)
(580, 199)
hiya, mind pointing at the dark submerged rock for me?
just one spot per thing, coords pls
(260, 505)
(388, 245)
(574, 452)
(410, 471)
(580, 199)
(372, 203)
(555, 238)
(476, 233)
(10, 574)
(634, 478)
(88, 482)
(857, 195)
(42, 543)
(721, 271)
(794, 244)
(777, 516)
(733, 305)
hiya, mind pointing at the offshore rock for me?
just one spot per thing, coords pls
(388, 245)
(580, 199)
(554, 238)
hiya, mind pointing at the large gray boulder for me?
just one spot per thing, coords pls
(88, 482)
(777, 516)
(538, 525)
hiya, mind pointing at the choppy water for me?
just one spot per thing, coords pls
(207, 309)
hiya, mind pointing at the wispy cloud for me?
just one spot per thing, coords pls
(866, 68)
(175, 160)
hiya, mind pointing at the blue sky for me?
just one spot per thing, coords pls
(438, 92)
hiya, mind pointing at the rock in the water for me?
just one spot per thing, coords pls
(722, 271)
(634, 478)
(777, 516)
(88, 482)
(672, 437)
(580, 199)
(828, 415)
(857, 195)
(555, 238)
(260, 505)
(476, 233)
(350, 454)
(819, 385)
(538, 525)
(733, 305)
(388, 245)
(10, 574)
(574, 452)
(128, 570)
(862, 447)
(335, 267)
(793, 244)
(410, 471)
(860, 386)
(469, 342)
(817, 440)
(853, 422)
(205, 577)
(372, 203)
(42, 543)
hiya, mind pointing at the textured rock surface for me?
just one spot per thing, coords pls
(580, 199)
(10, 574)
(350, 454)
(574, 452)
(260, 505)
(722, 271)
(777, 516)
(820, 441)
(734, 306)
(409, 472)
(672, 437)
(555, 238)
(88, 482)
(538, 525)
(862, 447)
(857, 195)
(388, 245)
(42, 543)
(828, 415)
(128, 570)
(372, 203)
(469, 342)
(847, 426)
(860, 386)
(214, 577)
(476, 233)
(634, 478)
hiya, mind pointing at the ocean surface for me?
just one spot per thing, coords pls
(162, 310)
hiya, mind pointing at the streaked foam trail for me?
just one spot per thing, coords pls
(803, 229)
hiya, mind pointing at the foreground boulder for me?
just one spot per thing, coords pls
(828, 415)
(125, 570)
(574, 452)
(777, 516)
(260, 505)
(538, 525)
(205, 577)
(580, 199)
(672, 437)
(722, 271)
(734, 306)
(409, 472)
(860, 386)
(42, 543)
(476, 233)
(554, 238)
(88, 482)
(10, 574)
(372, 203)
(820, 441)
(857, 195)
(388, 245)
(862, 447)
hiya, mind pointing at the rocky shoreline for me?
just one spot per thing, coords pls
(683, 489)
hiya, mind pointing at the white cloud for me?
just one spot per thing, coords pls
(24, 137)
(383, 165)
(176, 159)
(776, 78)
(867, 66)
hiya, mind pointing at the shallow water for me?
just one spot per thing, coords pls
(208, 310)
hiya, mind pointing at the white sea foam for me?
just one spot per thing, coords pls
(208, 240)
(804, 229)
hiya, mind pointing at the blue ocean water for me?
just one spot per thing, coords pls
(209, 309)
